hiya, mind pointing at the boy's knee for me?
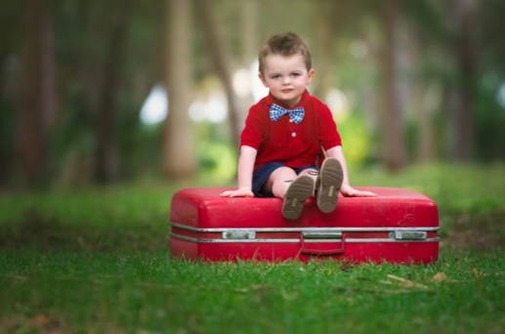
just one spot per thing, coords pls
(283, 174)
(312, 172)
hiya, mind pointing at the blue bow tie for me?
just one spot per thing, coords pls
(296, 115)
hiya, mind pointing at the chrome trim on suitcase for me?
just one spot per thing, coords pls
(302, 229)
(293, 240)
(308, 234)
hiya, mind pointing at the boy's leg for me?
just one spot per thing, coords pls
(279, 181)
(284, 183)
(312, 172)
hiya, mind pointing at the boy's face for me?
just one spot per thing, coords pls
(286, 77)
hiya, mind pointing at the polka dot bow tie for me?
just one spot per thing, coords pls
(296, 115)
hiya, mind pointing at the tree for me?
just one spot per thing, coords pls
(451, 29)
(425, 31)
(249, 31)
(464, 90)
(392, 118)
(221, 60)
(178, 142)
(10, 17)
(36, 95)
(106, 157)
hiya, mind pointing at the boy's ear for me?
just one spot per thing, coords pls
(262, 78)
(310, 75)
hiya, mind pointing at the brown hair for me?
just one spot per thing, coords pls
(286, 45)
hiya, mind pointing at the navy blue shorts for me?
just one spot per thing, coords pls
(261, 175)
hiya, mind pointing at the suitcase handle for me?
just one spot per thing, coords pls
(322, 243)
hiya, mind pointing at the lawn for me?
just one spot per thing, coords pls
(95, 260)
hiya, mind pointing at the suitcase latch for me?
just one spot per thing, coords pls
(239, 235)
(318, 235)
(322, 243)
(409, 235)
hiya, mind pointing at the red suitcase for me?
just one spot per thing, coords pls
(397, 226)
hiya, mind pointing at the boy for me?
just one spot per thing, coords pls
(287, 133)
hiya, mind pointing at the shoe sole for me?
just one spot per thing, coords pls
(298, 192)
(330, 181)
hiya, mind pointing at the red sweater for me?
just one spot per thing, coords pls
(295, 145)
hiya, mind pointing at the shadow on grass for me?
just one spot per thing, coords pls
(475, 233)
(41, 233)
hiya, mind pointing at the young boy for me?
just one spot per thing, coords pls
(287, 135)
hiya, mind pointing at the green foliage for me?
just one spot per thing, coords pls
(356, 140)
(490, 119)
(346, 42)
(217, 161)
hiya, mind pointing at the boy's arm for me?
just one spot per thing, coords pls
(346, 189)
(245, 172)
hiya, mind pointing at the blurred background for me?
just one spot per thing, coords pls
(109, 91)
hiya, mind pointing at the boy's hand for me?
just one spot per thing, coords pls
(349, 191)
(239, 192)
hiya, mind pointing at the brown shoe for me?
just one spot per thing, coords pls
(298, 192)
(328, 185)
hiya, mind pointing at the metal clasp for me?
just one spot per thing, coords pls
(409, 235)
(239, 234)
(322, 235)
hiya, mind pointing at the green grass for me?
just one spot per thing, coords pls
(146, 291)
(95, 260)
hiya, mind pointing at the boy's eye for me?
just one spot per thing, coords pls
(296, 74)
(275, 76)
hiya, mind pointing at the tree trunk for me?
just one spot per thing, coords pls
(250, 31)
(220, 57)
(36, 96)
(249, 42)
(107, 155)
(424, 98)
(464, 92)
(325, 27)
(392, 118)
(429, 100)
(178, 141)
(5, 126)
